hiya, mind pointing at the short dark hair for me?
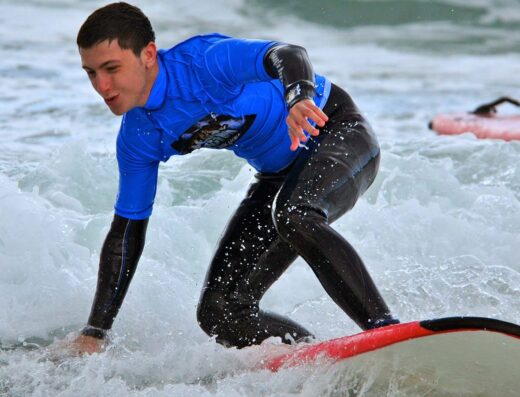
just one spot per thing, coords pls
(117, 21)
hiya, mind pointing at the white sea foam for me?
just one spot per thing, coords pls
(439, 229)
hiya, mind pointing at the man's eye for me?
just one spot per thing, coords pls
(112, 69)
(91, 73)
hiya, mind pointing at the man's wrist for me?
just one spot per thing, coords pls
(94, 332)
(298, 91)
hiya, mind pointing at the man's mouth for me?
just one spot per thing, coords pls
(111, 99)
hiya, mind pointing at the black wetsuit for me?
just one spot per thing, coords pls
(284, 215)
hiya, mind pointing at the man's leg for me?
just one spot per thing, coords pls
(324, 183)
(250, 257)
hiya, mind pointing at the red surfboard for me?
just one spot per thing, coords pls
(484, 122)
(380, 338)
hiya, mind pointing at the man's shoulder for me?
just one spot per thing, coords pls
(135, 118)
(194, 43)
(136, 126)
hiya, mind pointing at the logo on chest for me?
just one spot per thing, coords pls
(213, 132)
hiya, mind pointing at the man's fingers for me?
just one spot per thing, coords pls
(298, 133)
(317, 115)
(300, 114)
(310, 129)
(299, 118)
(308, 109)
(295, 142)
(303, 124)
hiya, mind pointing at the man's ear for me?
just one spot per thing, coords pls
(149, 54)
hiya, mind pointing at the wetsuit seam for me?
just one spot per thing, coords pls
(123, 265)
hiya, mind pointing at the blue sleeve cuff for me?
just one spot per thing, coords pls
(134, 215)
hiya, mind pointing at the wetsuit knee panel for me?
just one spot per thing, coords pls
(219, 313)
(210, 310)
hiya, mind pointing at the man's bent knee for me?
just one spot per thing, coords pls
(211, 311)
(226, 317)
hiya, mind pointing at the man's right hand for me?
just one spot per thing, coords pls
(86, 345)
(82, 344)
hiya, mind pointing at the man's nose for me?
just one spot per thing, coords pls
(103, 83)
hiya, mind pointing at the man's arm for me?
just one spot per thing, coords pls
(138, 168)
(119, 257)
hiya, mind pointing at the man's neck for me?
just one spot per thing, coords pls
(153, 72)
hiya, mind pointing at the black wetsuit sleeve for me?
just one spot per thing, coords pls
(119, 257)
(291, 64)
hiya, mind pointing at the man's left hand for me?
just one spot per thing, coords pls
(298, 121)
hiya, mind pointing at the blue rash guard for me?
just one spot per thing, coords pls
(212, 91)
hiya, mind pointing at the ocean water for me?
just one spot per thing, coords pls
(439, 229)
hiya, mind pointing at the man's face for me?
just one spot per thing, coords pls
(123, 79)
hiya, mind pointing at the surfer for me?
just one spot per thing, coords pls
(314, 152)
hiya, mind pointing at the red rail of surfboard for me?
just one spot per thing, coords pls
(348, 346)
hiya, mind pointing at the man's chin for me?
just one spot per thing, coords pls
(117, 112)
(120, 110)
